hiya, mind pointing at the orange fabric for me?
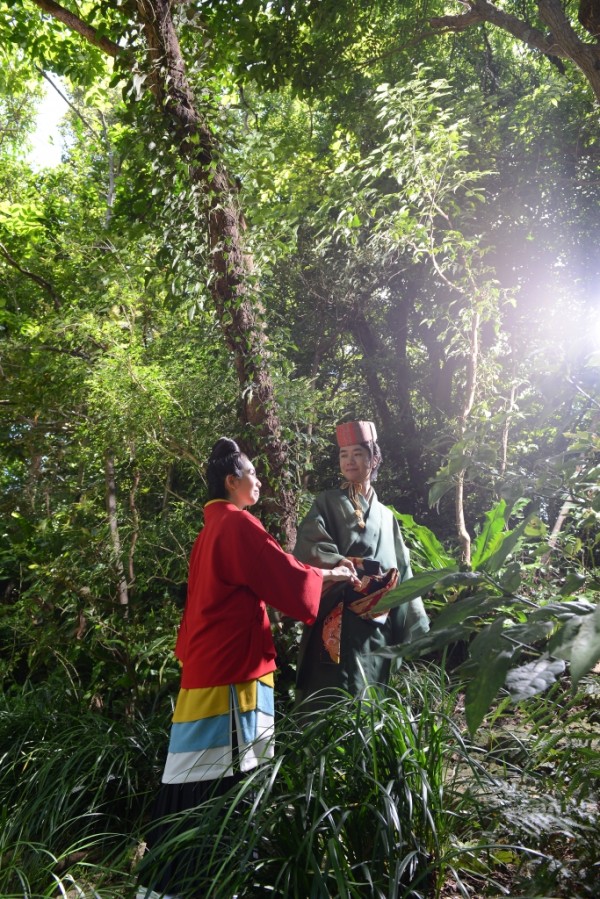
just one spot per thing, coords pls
(332, 633)
(364, 607)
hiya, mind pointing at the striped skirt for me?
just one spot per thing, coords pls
(206, 719)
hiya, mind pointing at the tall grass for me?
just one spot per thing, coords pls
(73, 787)
(353, 805)
(382, 796)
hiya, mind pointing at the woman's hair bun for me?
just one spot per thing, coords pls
(223, 447)
(225, 459)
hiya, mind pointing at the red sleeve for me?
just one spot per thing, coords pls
(286, 584)
(273, 575)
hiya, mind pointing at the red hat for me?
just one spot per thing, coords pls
(351, 432)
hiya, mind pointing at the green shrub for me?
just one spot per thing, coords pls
(73, 785)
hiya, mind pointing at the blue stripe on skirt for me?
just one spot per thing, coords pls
(206, 733)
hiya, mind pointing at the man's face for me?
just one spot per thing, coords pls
(355, 463)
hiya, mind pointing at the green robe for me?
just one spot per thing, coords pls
(329, 533)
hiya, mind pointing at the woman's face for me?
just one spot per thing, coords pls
(244, 491)
(355, 463)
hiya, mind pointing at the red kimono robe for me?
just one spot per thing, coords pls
(225, 644)
(236, 567)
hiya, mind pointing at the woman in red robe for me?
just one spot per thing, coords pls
(223, 720)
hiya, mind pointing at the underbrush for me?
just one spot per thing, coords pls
(542, 758)
(74, 784)
(388, 797)
(383, 796)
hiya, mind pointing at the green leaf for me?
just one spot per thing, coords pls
(574, 581)
(430, 642)
(510, 543)
(535, 527)
(491, 535)
(585, 651)
(439, 489)
(578, 642)
(530, 632)
(429, 543)
(563, 610)
(423, 583)
(511, 578)
(493, 658)
(534, 677)
(466, 607)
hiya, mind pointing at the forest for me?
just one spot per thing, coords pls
(271, 217)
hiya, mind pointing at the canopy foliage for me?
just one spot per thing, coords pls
(268, 217)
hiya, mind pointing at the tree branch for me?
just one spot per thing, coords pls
(76, 24)
(565, 36)
(483, 11)
(56, 299)
(67, 101)
(63, 351)
(561, 42)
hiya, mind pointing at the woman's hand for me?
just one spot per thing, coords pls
(348, 563)
(341, 572)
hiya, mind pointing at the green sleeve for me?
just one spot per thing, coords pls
(402, 555)
(315, 545)
(410, 620)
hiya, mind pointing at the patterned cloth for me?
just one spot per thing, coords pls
(361, 600)
(200, 747)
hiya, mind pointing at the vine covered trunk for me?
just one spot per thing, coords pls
(233, 281)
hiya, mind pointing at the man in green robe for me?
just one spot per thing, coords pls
(349, 525)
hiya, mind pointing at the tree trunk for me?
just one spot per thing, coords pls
(164, 512)
(135, 523)
(506, 429)
(367, 341)
(399, 431)
(408, 433)
(113, 524)
(234, 297)
(471, 385)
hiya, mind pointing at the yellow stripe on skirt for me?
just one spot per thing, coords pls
(201, 743)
